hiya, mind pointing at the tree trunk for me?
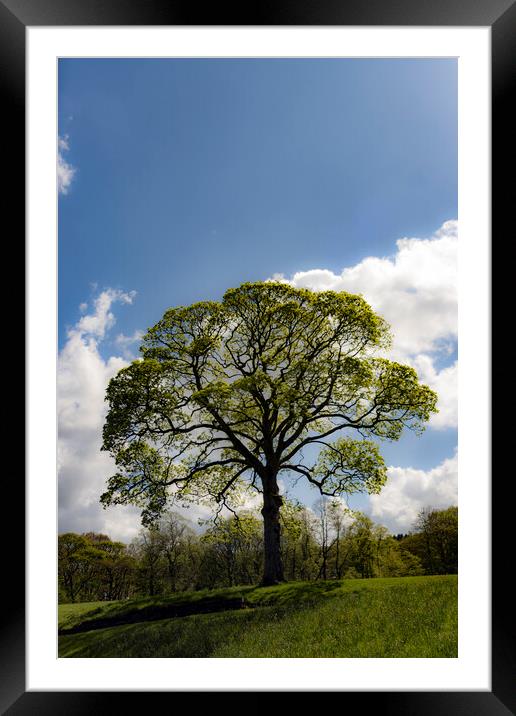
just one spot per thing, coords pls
(272, 501)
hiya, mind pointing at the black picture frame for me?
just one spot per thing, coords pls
(500, 16)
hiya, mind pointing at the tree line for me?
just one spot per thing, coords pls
(328, 542)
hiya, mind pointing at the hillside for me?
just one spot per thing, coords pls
(398, 617)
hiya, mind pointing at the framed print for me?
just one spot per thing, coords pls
(236, 198)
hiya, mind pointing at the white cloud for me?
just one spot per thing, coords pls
(82, 378)
(416, 292)
(444, 382)
(125, 343)
(81, 381)
(96, 324)
(409, 490)
(123, 340)
(65, 171)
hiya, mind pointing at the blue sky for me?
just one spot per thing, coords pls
(187, 177)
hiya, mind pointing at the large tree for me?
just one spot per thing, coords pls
(237, 392)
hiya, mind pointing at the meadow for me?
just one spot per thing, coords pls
(399, 617)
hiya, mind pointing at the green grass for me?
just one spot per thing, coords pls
(91, 614)
(73, 613)
(399, 617)
(143, 609)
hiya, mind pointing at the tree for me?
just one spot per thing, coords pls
(114, 567)
(323, 533)
(148, 549)
(173, 536)
(299, 546)
(233, 549)
(74, 563)
(340, 518)
(438, 540)
(92, 567)
(363, 546)
(230, 393)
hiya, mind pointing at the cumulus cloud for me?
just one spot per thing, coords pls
(65, 171)
(102, 319)
(444, 382)
(82, 378)
(127, 343)
(415, 290)
(409, 490)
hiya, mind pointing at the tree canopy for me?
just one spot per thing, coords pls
(228, 395)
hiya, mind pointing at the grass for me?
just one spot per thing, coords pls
(399, 617)
(73, 613)
(90, 615)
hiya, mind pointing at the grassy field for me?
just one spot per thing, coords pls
(399, 617)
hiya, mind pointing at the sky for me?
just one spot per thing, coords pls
(178, 179)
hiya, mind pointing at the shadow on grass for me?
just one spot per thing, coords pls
(135, 611)
(197, 636)
(230, 599)
(154, 612)
(417, 620)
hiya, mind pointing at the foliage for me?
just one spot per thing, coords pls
(91, 566)
(233, 550)
(227, 394)
(435, 541)
(328, 542)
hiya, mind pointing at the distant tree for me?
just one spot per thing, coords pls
(414, 544)
(329, 541)
(234, 550)
(91, 566)
(323, 536)
(230, 394)
(74, 563)
(115, 569)
(173, 535)
(340, 518)
(291, 516)
(398, 562)
(391, 559)
(362, 546)
(370, 551)
(148, 552)
(299, 546)
(439, 537)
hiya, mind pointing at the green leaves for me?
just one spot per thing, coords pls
(228, 392)
(141, 397)
(400, 401)
(346, 466)
(142, 480)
